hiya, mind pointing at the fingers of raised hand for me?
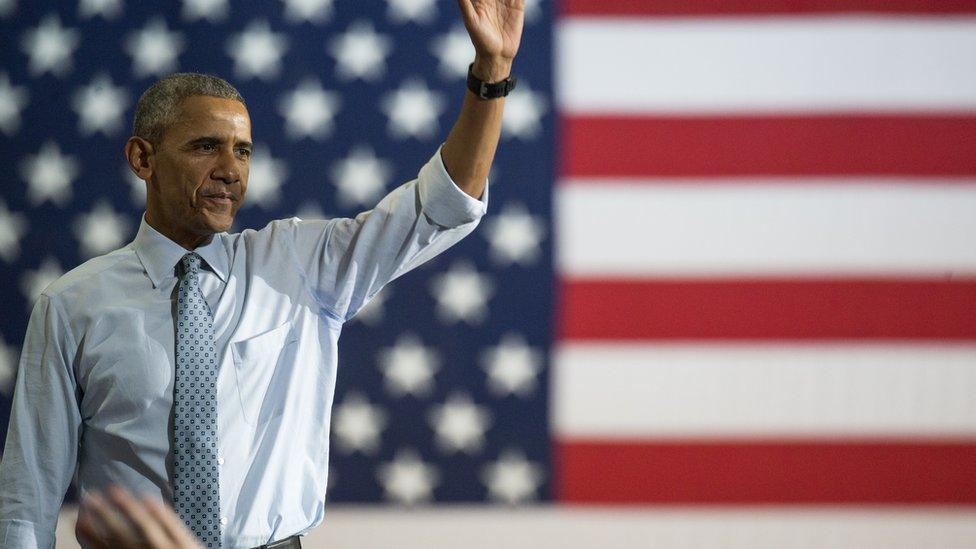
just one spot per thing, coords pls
(467, 11)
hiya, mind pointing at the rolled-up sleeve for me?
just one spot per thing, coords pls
(41, 448)
(443, 201)
(347, 261)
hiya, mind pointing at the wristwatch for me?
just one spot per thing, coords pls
(489, 90)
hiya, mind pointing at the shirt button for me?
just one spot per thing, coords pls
(223, 521)
(220, 460)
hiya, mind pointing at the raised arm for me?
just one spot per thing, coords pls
(347, 261)
(495, 27)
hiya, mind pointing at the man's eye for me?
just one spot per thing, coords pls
(244, 152)
(208, 147)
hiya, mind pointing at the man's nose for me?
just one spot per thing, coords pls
(227, 169)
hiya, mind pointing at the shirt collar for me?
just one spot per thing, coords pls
(159, 255)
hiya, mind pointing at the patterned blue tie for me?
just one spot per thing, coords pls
(196, 495)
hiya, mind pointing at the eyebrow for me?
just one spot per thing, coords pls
(210, 140)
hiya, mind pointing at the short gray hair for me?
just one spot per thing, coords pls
(158, 105)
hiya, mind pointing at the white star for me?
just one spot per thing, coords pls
(8, 367)
(512, 366)
(372, 313)
(360, 52)
(50, 47)
(462, 294)
(266, 177)
(313, 11)
(512, 479)
(32, 283)
(137, 188)
(357, 424)
(154, 49)
(421, 11)
(102, 230)
(407, 479)
(48, 175)
(523, 112)
(360, 178)
(310, 210)
(7, 7)
(100, 106)
(12, 229)
(408, 367)
(12, 100)
(211, 10)
(257, 51)
(459, 424)
(455, 52)
(533, 10)
(413, 110)
(108, 9)
(514, 235)
(308, 110)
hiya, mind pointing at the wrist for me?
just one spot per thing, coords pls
(491, 69)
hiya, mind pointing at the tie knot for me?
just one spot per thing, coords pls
(189, 264)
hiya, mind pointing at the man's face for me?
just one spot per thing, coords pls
(200, 169)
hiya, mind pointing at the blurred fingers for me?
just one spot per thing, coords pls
(105, 524)
(89, 534)
(146, 525)
(171, 522)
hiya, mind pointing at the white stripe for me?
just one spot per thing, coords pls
(732, 390)
(662, 528)
(725, 227)
(749, 64)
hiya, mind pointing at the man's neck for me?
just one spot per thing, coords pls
(186, 240)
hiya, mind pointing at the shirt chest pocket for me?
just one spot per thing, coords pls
(264, 365)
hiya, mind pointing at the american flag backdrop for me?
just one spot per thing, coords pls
(792, 316)
(729, 262)
(443, 394)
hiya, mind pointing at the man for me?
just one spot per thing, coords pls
(199, 366)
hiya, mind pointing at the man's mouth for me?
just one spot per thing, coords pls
(220, 197)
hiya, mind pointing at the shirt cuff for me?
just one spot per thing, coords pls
(443, 201)
(24, 535)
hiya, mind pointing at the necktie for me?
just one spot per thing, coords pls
(196, 495)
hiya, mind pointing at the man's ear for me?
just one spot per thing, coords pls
(138, 152)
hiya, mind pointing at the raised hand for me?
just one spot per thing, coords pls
(495, 27)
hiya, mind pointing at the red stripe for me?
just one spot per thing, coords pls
(636, 146)
(767, 309)
(650, 8)
(603, 472)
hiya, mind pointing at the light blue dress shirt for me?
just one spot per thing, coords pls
(95, 383)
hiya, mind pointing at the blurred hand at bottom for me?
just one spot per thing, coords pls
(118, 520)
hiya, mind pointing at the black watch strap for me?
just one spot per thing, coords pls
(489, 90)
